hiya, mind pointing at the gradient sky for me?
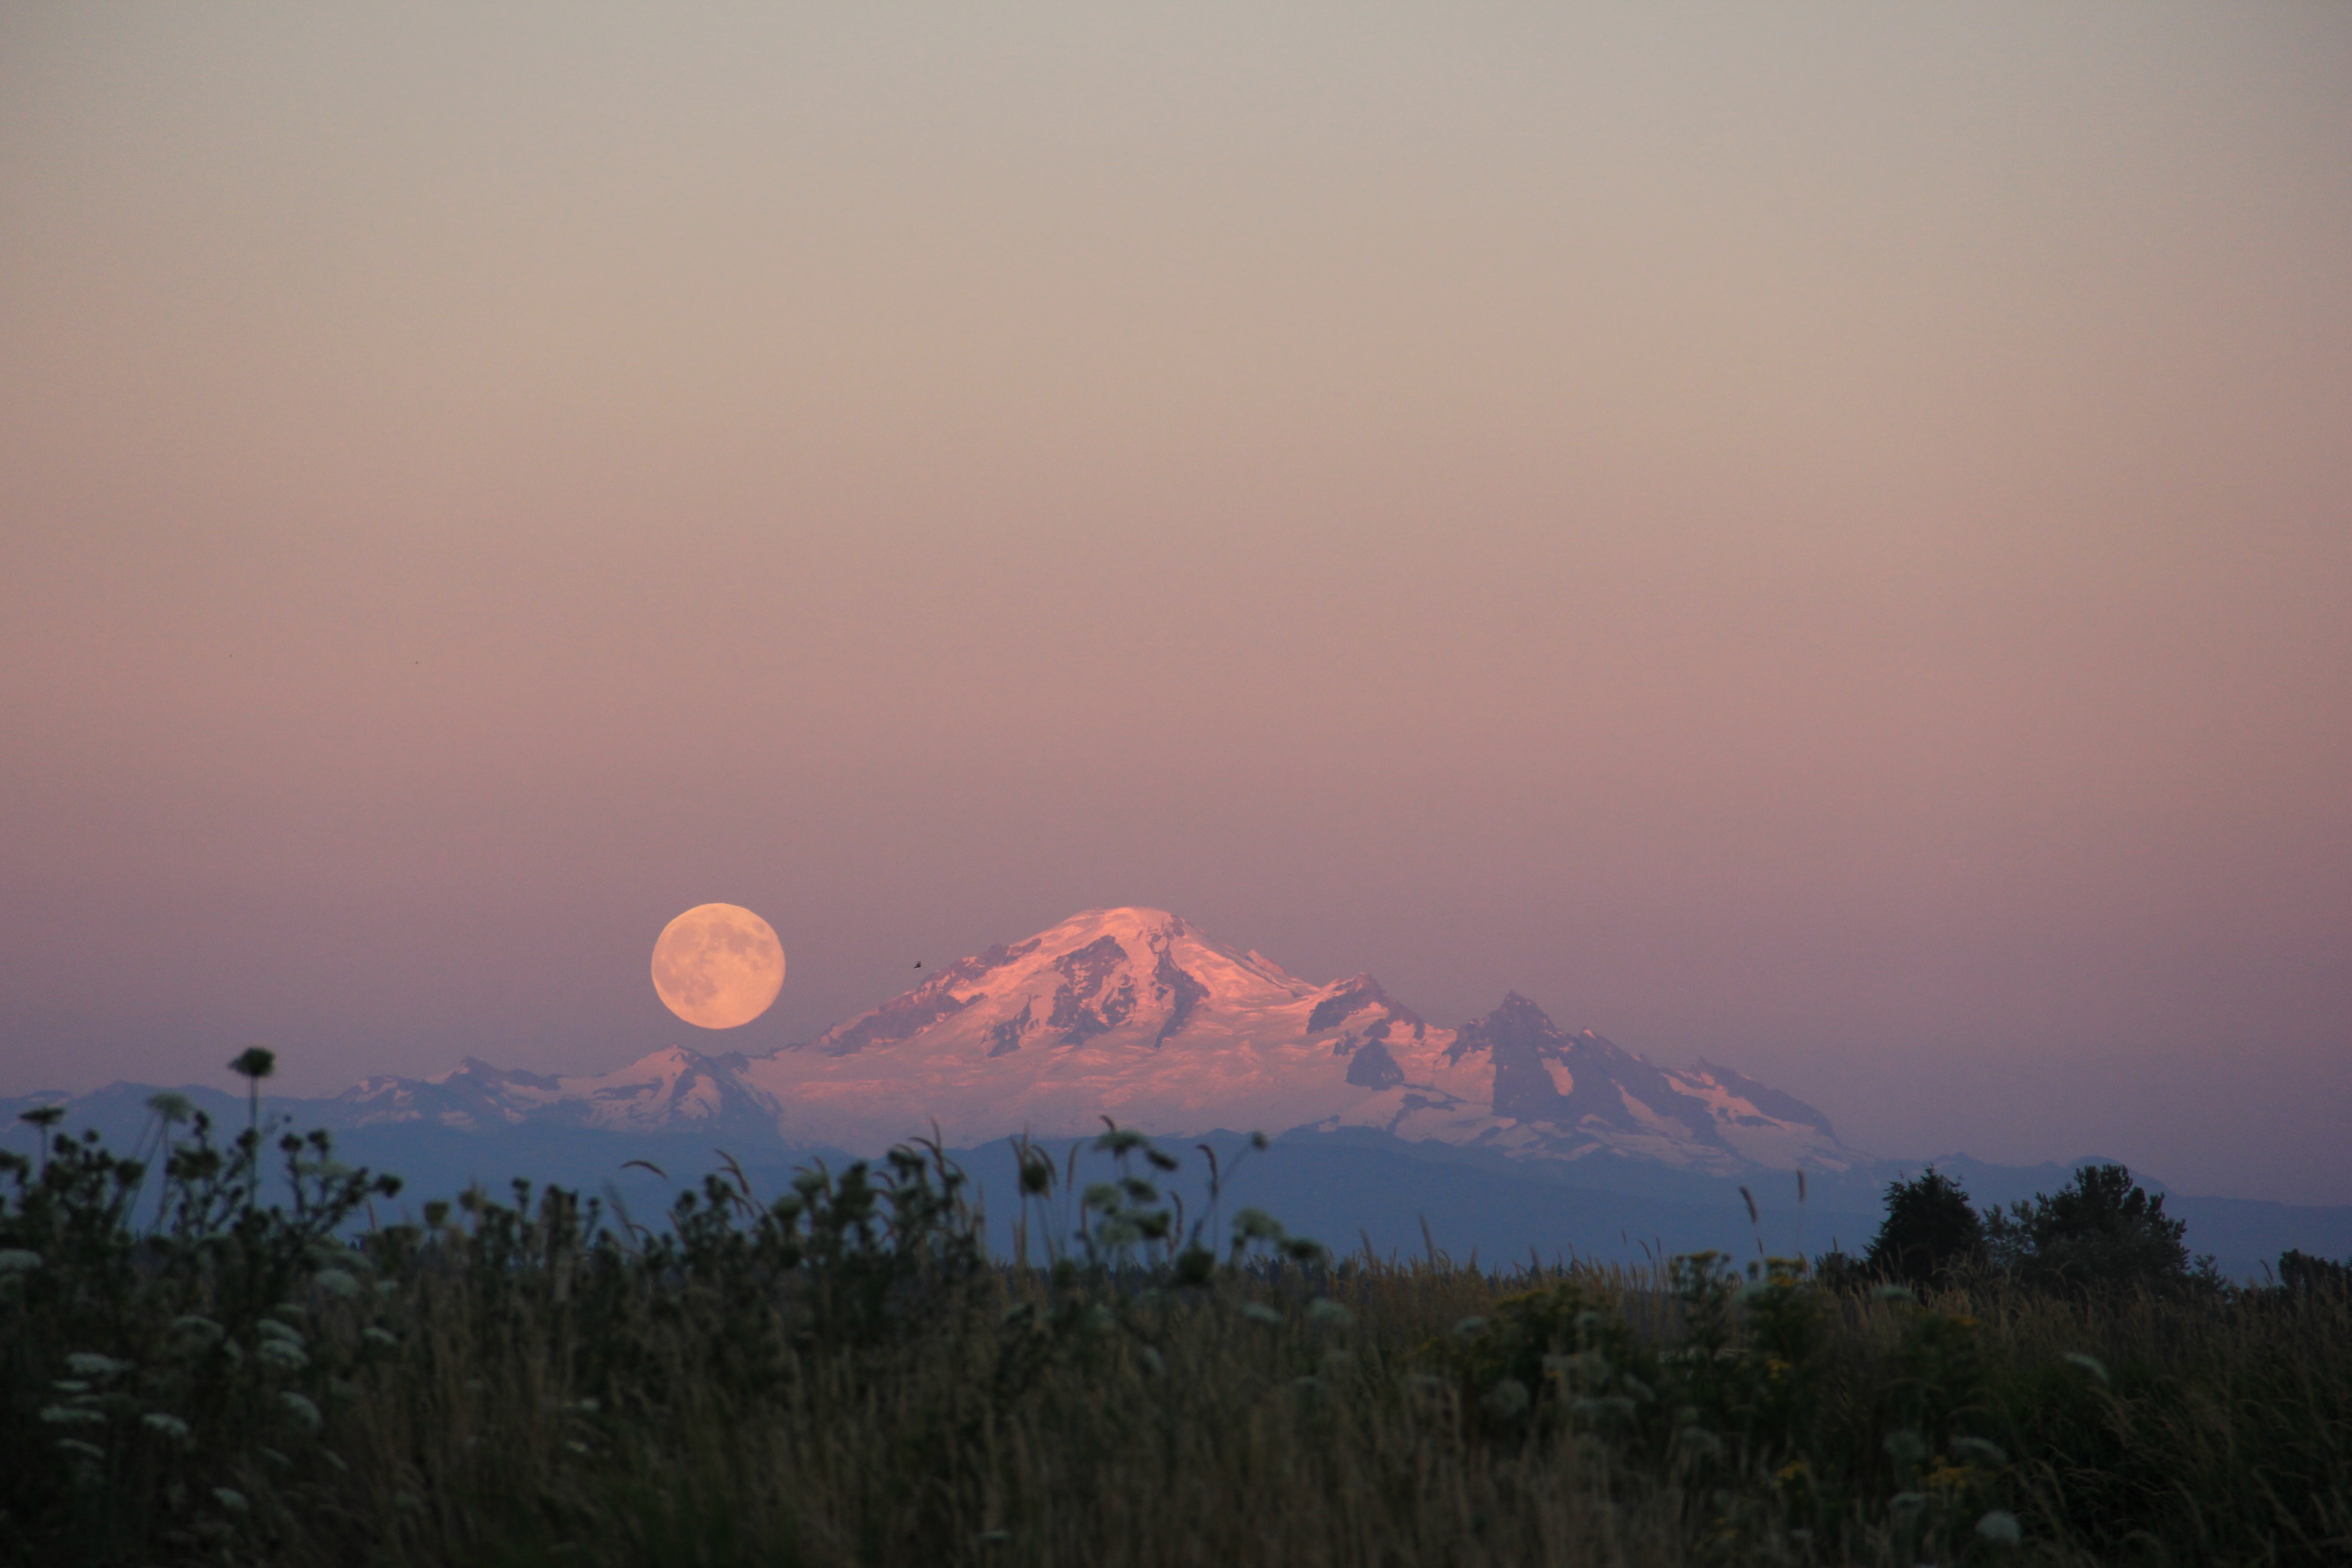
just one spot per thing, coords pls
(1817, 537)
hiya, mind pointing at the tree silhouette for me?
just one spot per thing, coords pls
(2300, 1271)
(1931, 1231)
(2099, 1232)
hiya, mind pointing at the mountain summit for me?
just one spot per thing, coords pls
(1126, 1013)
(1137, 1015)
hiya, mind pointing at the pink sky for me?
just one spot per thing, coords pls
(1819, 539)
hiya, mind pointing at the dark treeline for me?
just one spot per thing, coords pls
(840, 1373)
(2101, 1232)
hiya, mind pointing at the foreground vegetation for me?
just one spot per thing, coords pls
(840, 1375)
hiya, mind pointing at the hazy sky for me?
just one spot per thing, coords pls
(1816, 537)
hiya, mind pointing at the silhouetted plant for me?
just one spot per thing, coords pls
(253, 1064)
(1930, 1233)
(2100, 1232)
(842, 1375)
(2300, 1271)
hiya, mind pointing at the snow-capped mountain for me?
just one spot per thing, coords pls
(671, 1090)
(1512, 1080)
(1136, 1015)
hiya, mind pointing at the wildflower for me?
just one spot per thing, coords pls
(230, 1498)
(336, 1282)
(1256, 1225)
(304, 1410)
(2089, 1363)
(382, 1339)
(1892, 1293)
(170, 1107)
(1944, 1476)
(1259, 1313)
(1999, 1527)
(1506, 1399)
(1470, 1326)
(1904, 1448)
(202, 1333)
(284, 1354)
(72, 1416)
(17, 1260)
(86, 1450)
(1328, 1313)
(90, 1363)
(1584, 1366)
(270, 1329)
(1119, 1141)
(169, 1426)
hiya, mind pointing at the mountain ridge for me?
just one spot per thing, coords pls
(1136, 1013)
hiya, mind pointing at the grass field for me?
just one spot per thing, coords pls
(841, 1374)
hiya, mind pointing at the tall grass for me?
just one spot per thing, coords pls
(841, 1374)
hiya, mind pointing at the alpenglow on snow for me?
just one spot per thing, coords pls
(1137, 1015)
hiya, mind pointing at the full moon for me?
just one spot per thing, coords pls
(719, 965)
